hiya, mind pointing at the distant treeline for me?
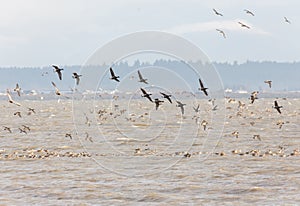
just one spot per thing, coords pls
(246, 76)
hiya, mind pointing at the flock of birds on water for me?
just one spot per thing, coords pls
(145, 94)
(243, 25)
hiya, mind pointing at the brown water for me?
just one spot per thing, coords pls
(141, 156)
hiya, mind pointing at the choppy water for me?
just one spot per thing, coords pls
(141, 156)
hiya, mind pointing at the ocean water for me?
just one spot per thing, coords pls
(127, 153)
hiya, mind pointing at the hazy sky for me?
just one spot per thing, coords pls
(41, 33)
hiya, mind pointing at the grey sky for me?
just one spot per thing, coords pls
(40, 33)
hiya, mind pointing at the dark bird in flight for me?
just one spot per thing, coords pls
(10, 100)
(286, 20)
(31, 110)
(196, 109)
(157, 103)
(18, 89)
(68, 135)
(113, 76)
(179, 104)
(249, 12)
(58, 71)
(217, 13)
(244, 25)
(22, 130)
(167, 96)
(202, 88)
(145, 94)
(141, 79)
(269, 82)
(7, 129)
(57, 92)
(253, 96)
(76, 77)
(221, 32)
(277, 107)
(18, 113)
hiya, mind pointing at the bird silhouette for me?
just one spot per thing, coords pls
(18, 89)
(221, 32)
(286, 20)
(249, 12)
(157, 103)
(145, 94)
(269, 82)
(181, 105)
(58, 71)
(141, 79)
(113, 76)
(244, 25)
(217, 13)
(277, 107)
(76, 77)
(167, 96)
(202, 88)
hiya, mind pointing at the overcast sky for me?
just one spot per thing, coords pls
(41, 33)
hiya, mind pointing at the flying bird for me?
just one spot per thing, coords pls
(244, 25)
(145, 94)
(10, 100)
(18, 89)
(217, 13)
(18, 113)
(7, 129)
(77, 77)
(113, 76)
(286, 20)
(57, 92)
(181, 105)
(249, 12)
(269, 82)
(204, 124)
(141, 78)
(196, 109)
(221, 32)
(58, 71)
(167, 96)
(253, 96)
(236, 134)
(202, 88)
(157, 103)
(257, 136)
(277, 107)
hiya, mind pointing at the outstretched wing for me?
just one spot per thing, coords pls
(276, 104)
(201, 83)
(140, 75)
(111, 72)
(144, 92)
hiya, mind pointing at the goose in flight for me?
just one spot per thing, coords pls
(58, 71)
(269, 82)
(18, 89)
(181, 105)
(277, 107)
(244, 25)
(217, 13)
(202, 88)
(253, 96)
(196, 109)
(147, 95)
(76, 77)
(113, 76)
(249, 12)
(167, 96)
(141, 79)
(157, 103)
